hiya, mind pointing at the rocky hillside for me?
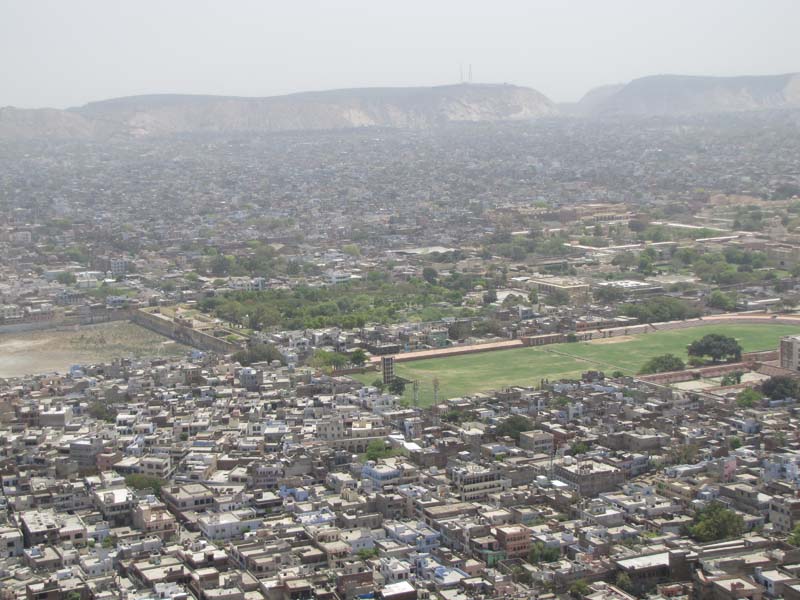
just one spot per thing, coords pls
(380, 107)
(683, 94)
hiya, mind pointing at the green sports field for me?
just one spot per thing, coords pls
(460, 375)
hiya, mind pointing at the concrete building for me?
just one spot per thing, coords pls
(790, 352)
(588, 477)
(539, 442)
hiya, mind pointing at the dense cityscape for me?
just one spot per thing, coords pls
(401, 343)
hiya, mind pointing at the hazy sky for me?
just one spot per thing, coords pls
(66, 52)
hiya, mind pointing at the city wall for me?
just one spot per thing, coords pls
(182, 334)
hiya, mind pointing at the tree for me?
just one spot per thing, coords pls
(378, 383)
(430, 275)
(579, 588)
(794, 537)
(662, 364)
(102, 411)
(367, 553)
(608, 294)
(780, 387)
(558, 298)
(490, 296)
(748, 398)
(716, 346)
(376, 449)
(577, 448)
(358, 357)
(715, 522)
(645, 266)
(397, 386)
(110, 541)
(624, 582)
(513, 426)
(351, 250)
(721, 300)
(734, 378)
(221, 264)
(624, 261)
(257, 353)
(333, 360)
(541, 553)
(139, 481)
(734, 442)
(662, 308)
(66, 277)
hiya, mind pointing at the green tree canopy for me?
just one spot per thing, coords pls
(257, 353)
(794, 537)
(780, 387)
(377, 449)
(358, 357)
(514, 425)
(557, 298)
(140, 481)
(715, 522)
(748, 398)
(721, 300)
(430, 275)
(624, 260)
(662, 308)
(662, 364)
(66, 277)
(608, 294)
(541, 553)
(397, 386)
(716, 346)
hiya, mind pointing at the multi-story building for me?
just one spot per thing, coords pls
(116, 504)
(784, 512)
(540, 442)
(588, 477)
(474, 481)
(515, 540)
(790, 352)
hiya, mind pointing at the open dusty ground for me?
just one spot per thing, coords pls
(56, 350)
(613, 340)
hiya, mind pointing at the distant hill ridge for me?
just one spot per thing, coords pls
(408, 107)
(686, 94)
(164, 114)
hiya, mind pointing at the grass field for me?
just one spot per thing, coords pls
(468, 374)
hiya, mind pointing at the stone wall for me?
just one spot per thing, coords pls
(183, 334)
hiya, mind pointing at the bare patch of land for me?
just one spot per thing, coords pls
(613, 340)
(51, 350)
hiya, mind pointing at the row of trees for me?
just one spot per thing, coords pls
(661, 308)
(338, 360)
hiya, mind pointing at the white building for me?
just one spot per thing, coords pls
(228, 525)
